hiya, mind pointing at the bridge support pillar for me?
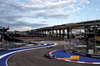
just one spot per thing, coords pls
(56, 32)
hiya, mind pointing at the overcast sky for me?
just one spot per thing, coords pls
(24, 15)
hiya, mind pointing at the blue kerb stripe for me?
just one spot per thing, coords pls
(3, 60)
(62, 54)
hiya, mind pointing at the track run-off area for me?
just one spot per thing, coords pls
(5, 55)
(34, 56)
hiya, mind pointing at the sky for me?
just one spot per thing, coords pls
(22, 15)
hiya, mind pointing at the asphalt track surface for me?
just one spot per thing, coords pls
(36, 58)
(4, 55)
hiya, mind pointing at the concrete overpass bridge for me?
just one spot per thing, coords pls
(65, 29)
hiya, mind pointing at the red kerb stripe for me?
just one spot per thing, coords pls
(89, 62)
(74, 61)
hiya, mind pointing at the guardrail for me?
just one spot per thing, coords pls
(88, 55)
(10, 45)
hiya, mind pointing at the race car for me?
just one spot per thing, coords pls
(48, 56)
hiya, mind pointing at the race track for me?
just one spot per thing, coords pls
(36, 58)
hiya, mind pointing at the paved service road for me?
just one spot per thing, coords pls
(36, 58)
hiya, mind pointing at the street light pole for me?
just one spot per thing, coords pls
(73, 20)
(3, 36)
(95, 50)
(87, 17)
(97, 16)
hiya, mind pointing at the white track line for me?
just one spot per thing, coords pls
(21, 51)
